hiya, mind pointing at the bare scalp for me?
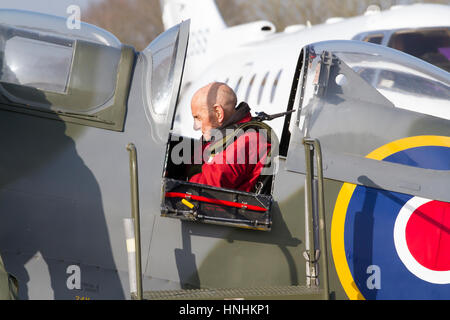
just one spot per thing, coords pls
(216, 93)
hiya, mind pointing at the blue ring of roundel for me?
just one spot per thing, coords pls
(368, 235)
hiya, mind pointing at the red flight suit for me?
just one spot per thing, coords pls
(239, 165)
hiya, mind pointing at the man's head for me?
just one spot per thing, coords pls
(211, 106)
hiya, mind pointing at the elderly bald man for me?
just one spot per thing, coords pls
(237, 154)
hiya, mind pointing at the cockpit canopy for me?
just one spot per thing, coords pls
(51, 68)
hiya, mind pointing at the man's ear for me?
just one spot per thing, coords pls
(219, 113)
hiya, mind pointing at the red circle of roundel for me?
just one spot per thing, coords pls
(428, 235)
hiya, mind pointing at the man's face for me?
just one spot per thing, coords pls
(203, 119)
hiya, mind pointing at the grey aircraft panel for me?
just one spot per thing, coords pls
(353, 119)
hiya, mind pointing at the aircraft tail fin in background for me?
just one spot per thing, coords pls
(204, 14)
(206, 22)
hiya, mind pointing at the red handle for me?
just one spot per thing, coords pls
(215, 201)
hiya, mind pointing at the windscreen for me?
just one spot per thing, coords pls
(407, 83)
(431, 45)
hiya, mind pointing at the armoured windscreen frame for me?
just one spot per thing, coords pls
(336, 90)
(200, 203)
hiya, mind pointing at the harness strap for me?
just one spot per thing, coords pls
(225, 142)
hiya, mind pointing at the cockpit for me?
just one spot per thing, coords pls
(188, 198)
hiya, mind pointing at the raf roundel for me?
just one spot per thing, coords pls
(405, 237)
(422, 239)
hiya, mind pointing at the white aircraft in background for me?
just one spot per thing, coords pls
(257, 61)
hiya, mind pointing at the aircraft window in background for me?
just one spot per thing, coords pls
(375, 38)
(249, 88)
(261, 88)
(275, 84)
(236, 88)
(429, 44)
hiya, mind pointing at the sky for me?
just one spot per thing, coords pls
(56, 7)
